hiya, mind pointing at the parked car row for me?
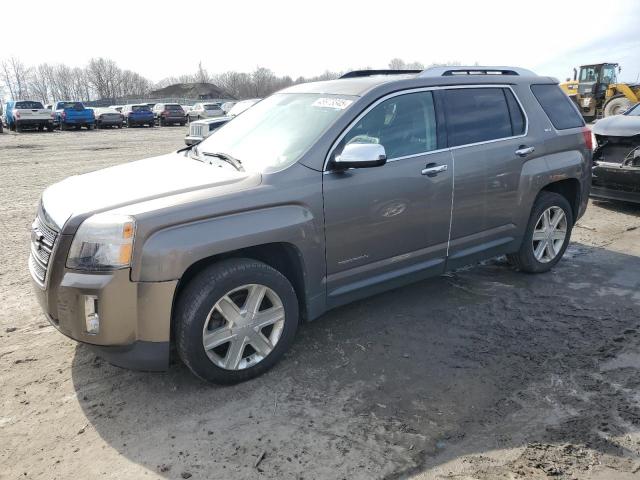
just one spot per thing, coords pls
(66, 115)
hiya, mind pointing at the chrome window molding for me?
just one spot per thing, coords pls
(427, 89)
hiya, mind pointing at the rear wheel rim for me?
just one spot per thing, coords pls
(549, 234)
(243, 327)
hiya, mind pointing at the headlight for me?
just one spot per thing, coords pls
(103, 242)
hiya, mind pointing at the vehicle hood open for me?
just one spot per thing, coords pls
(132, 183)
(618, 126)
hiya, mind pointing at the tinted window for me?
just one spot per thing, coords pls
(477, 115)
(140, 108)
(515, 112)
(29, 105)
(73, 105)
(403, 125)
(173, 107)
(212, 107)
(560, 110)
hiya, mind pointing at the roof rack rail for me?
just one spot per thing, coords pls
(369, 73)
(447, 71)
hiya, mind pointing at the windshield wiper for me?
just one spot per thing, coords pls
(237, 164)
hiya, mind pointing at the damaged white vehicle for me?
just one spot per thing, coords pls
(616, 159)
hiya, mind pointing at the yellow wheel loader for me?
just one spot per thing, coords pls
(596, 91)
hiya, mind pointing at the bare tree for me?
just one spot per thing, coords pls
(15, 76)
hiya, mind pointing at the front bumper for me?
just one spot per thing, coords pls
(135, 317)
(192, 139)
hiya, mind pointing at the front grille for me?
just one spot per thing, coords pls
(197, 130)
(43, 239)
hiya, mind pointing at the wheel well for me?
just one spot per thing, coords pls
(569, 189)
(283, 257)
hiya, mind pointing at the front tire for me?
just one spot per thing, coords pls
(235, 320)
(547, 235)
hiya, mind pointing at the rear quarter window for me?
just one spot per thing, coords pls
(481, 114)
(558, 107)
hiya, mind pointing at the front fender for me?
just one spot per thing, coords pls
(168, 253)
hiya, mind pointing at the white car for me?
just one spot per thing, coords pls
(23, 114)
(108, 117)
(240, 107)
(226, 106)
(201, 129)
(204, 110)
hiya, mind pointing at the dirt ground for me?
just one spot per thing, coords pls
(479, 374)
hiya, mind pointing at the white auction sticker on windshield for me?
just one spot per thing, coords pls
(337, 103)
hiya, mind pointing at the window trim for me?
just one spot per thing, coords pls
(436, 105)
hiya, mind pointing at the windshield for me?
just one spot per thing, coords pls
(240, 107)
(140, 108)
(213, 106)
(27, 105)
(274, 133)
(173, 107)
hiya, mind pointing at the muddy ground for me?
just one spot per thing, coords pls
(482, 373)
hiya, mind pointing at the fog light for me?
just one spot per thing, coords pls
(91, 317)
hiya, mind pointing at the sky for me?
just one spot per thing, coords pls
(159, 39)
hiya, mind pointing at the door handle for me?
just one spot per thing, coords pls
(523, 150)
(431, 170)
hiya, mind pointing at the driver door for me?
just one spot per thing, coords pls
(389, 225)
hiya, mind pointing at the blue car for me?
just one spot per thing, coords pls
(139, 114)
(68, 115)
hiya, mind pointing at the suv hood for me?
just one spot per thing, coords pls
(132, 183)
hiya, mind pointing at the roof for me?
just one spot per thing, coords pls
(196, 91)
(437, 76)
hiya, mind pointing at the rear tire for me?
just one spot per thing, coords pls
(196, 314)
(544, 245)
(615, 105)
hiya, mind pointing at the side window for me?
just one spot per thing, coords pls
(477, 115)
(558, 107)
(403, 125)
(515, 112)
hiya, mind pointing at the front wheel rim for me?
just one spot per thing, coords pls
(243, 327)
(549, 234)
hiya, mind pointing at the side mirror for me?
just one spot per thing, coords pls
(361, 155)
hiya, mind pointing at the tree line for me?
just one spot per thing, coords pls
(102, 78)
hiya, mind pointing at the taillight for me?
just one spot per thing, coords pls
(588, 137)
(17, 114)
(64, 114)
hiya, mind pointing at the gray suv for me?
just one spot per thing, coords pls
(319, 195)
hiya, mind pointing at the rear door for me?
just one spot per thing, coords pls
(487, 133)
(390, 224)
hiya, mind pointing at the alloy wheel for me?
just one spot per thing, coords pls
(549, 234)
